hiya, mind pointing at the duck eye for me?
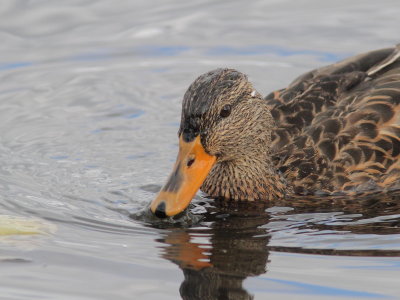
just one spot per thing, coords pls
(225, 111)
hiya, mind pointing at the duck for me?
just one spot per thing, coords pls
(335, 129)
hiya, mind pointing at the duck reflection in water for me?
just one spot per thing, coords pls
(228, 247)
(215, 260)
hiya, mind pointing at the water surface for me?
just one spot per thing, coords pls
(90, 96)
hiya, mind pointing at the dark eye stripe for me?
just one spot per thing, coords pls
(225, 111)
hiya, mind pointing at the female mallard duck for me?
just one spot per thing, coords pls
(334, 129)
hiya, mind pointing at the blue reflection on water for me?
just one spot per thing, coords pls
(268, 49)
(14, 65)
(391, 265)
(135, 114)
(59, 157)
(162, 50)
(314, 289)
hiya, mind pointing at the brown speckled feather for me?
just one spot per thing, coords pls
(338, 127)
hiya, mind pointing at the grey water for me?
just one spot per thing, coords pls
(90, 95)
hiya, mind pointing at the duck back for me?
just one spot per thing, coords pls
(337, 128)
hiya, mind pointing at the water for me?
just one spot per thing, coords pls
(90, 97)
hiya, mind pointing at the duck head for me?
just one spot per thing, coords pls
(224, 140)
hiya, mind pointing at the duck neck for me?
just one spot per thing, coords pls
(248, 178)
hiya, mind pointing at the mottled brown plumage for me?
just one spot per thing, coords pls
(338, 127)
(240, 141)
(333, 131)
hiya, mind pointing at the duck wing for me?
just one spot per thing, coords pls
(338, 127)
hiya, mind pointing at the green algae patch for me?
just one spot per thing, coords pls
(13, 225)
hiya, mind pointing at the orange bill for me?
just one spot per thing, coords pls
(191, 169)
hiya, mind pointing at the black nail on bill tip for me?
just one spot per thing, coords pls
(160, 211)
